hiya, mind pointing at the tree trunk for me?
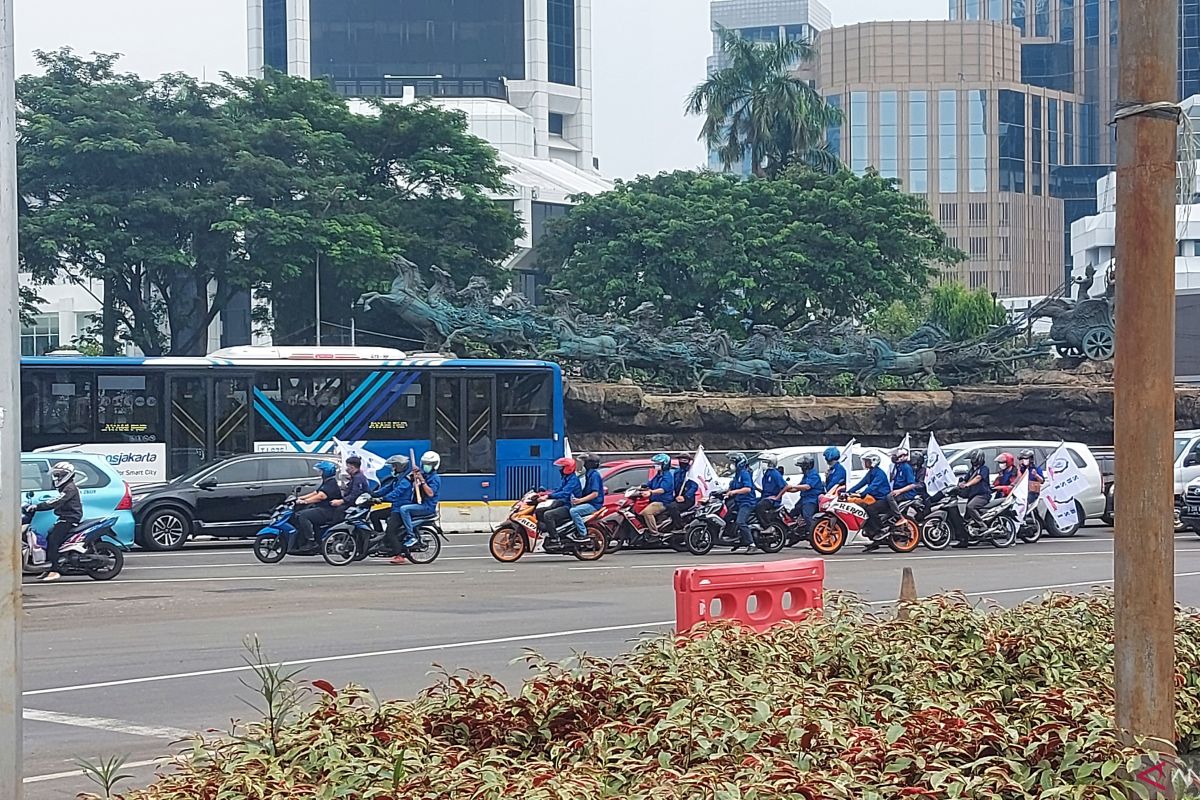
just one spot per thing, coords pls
(188, 314)
(108, 319)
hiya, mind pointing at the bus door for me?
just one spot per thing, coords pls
(464, 433)
(210, 418)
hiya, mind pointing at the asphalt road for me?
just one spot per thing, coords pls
(127, 667)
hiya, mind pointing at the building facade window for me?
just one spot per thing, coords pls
(1089, 136)
(973, 9)
(1052, 157)
(801, 33)
(860, 126)
(558, 124)
(41, 337)
(1041, 18)
(275, 52)
(1068, 128)
(1011, 107)
(953, 9)
(995, 10)
(918, 142)
(560, 33)
(947, 141)
(889, 135)
(763, 35)
(1035, 143)
(1066, 20)
(833, 134)
(1189, 47)
(1018, 15)
(977, 140)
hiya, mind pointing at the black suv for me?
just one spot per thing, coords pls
(232, 497)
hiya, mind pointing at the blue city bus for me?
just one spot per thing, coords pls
(497, 423)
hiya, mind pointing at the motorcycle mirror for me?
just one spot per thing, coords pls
(29, 495)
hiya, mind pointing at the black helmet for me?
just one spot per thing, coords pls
(1027, 454)
(684, 458)
(978, 459)
(591, 461)
(737, 458)
(917, 459)
(806, 462)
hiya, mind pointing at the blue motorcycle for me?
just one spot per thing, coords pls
(278, 538)
(91, 549)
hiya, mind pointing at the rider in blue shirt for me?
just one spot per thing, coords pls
(878, 488)
(976, 488)
(904, 479)
(811, 488)
(591, 498)
(661, 488)
(773, 488)
(570, 488)
(685, 491)
(397, 489)
(742, 498)
(835, 474)
(428, 486)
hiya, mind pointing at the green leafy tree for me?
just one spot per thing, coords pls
(774, 251)
(964, 314)
(180, 195)
(756, 107)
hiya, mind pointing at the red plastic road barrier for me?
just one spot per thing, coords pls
(758, 595)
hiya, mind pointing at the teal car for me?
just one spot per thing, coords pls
(103, 490)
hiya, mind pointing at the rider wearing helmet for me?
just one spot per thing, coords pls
(773, 488)
(397, 489)
(661, 488)
(875, 488)
(67, 507)
(904, 478)
(976, 488)
(592, 498)
(570, 488)
(1027, 464)
(320, 511)
(684, 494)
(835, 474)
(427, 484)
(1008, 475)
(810, 488)
(742, 496)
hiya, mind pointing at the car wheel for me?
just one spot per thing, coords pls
(165, 529)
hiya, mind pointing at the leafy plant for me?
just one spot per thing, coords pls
(105, 773)
(278, 697)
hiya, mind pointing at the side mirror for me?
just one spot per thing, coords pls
(207, 484)
(29, 495)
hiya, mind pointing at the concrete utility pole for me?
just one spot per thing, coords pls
(1144, 405)
(10, 425)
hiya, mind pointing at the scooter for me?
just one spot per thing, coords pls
(360, 534)
(843, 519)
(947, 523)
(625, 527)
(526, 527)
(715, 525)
(92, 549)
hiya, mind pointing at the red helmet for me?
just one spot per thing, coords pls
(1007, 460)
(566, 465)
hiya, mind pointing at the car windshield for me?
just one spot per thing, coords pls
(194, 471)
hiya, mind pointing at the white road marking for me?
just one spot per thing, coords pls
(429, 648)
(106, 724)
(259, 564)
(1046, 587)
(408, 573)
(78, 773)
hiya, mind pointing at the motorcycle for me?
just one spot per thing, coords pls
(90, 550)
(625, 527)
(526, 526)
(361, 534)
(278, 538)
(947, 523)
(843, 520)
(715, 525)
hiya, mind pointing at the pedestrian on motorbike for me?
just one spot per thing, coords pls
(397, 489)
(685, 491)
(875, 490)
(319, 511)
(570, 488)
(67, 506)
(976, 488)
(774, 486)
(427, 486)
(917, 460)
(810, 488)
(742, 497)
(835, 473)
(357, 485)
(661, 489)
(1028, 465)
(592, 499)
(904, 480)
(1008, 475)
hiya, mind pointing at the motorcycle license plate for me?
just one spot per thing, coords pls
(1191, 510)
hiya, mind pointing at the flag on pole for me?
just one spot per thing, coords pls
(848, 450)
(371, 463)
(905, 444)
(702, 473)
(1020, 494)
(567, 449)
(938, 475)
(1064, 482)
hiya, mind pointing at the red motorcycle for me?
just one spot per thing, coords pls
(842, 520)
(625, 527)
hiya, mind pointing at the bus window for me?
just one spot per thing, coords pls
(525, 405)
(56, 406)
(305, 400)
(128, 408)
(405, 416)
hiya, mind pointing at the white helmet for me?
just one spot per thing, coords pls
(430, 461)
(62, 473)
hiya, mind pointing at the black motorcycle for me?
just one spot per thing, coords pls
(946, 523)
(715, 525)
(361, 535)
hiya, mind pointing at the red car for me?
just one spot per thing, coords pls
(620, 476)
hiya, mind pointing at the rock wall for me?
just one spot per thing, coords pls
(620, 417)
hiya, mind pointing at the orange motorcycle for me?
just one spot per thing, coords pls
(527, 525)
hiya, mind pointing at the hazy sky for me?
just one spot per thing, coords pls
(647, 55)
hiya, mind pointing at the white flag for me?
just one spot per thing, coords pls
(702, 473)
(567, 449)
(1020, 494)
(760, 469)
(848, 450)
(371, 463)
(905, 444)
(1064, 482)
(938, 475)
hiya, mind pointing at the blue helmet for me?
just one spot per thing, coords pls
(662, 461)
(832, 454)
(327, 468)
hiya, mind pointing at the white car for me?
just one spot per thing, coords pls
(1187, 478)
(1092, 502)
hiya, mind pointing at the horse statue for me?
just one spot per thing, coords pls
(602, 350)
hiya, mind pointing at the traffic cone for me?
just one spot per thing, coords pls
(908, 593)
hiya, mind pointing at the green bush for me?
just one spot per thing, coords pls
(953, 702)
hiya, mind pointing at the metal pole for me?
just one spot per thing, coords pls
(1144, 383)
(318, 288)
(353, 331)
(10, 427)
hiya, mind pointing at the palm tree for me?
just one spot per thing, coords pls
(756, 107)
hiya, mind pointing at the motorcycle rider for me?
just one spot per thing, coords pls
(904, 480)
(835, 474)
(774, 486)
(67, 506)
(917, 460)
(320, 511)
(592, 498)
(427, 485)
(570, 488)
(1028, 464)
(811, 488)
(685, 491)
(397, 489)
(877, 490)
(1008, 476)
(742, 496)
(356, 486)
(977, 489)
(661, 488)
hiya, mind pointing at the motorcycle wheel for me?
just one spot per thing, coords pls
(1006, 534)
(698, 540)
(270, 549)
(770, 540)
(1031, 531)
(508, 544)
(427, 548)
(593, 549)
(936, 534)
(828, 536)
(116, 561)
(904, 536)
(339, 548)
